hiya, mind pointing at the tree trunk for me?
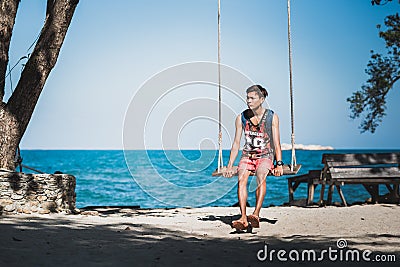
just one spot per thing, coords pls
(16, 114)
(9, 139)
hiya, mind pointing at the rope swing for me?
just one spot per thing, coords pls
(220, 160)
(293, 168)
(293, 160)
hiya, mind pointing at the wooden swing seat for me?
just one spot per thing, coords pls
(286, 170)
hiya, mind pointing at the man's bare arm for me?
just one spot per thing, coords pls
(235, 146)
(278, 171)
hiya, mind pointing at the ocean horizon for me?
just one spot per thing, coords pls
(171, 178)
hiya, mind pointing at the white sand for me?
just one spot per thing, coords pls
(196, 237)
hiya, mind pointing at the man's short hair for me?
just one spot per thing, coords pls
(261, 91)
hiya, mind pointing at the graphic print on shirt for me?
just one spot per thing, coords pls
(257, 140)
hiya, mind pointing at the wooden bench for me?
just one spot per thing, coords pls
(367, 169)
(312, 179)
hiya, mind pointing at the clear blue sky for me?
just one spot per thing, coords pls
(113, 47)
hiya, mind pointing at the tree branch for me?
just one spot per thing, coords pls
(43, 59)
(8, 12)
(383, 72)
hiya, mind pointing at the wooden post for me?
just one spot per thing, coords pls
(310, 196)
(321, 195)
(339, 189)
(330, 193)
(291, 190)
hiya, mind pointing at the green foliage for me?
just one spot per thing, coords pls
(381, 2)
(383, 72)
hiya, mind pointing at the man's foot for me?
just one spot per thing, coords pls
(254, 220)
(240, 225)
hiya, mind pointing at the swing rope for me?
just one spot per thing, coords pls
(293, 160)
(293, 168)
(220, 160)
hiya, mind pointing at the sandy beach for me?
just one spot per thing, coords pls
(199, 237)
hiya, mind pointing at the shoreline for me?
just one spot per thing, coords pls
(120, 236)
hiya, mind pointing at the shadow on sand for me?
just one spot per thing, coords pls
(60, 241)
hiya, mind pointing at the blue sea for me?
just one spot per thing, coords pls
(171, 178)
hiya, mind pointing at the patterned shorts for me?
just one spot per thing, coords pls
(264, 164)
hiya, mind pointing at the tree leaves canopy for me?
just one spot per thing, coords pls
(383, 72)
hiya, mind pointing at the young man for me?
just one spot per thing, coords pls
(262, 146)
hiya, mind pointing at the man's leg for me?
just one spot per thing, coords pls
(260, 191)
(243, 177)
(263, 169)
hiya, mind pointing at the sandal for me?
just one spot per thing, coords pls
(238, 225)
(254, 220)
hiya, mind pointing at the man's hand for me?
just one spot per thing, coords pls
(277, 171)
(228, 173)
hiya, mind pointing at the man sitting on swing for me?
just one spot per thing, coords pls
(262, 145)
